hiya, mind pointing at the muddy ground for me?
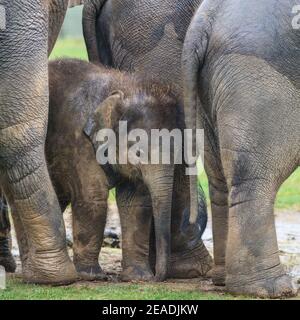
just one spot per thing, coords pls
(288, 233)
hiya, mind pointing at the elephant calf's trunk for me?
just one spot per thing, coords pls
(161, 189)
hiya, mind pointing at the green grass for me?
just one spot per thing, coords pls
(288, 196)
(16, 290)
(66, 48)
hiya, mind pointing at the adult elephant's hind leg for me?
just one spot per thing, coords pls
(219, 208)
(6, 258)
(252, 258)
(259, 145)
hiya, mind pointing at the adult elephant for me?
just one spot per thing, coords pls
(147, 37)
(139, 35)
(242, 85)
(25, 40)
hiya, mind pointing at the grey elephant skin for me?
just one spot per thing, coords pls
(24, 178)
(141, 36)
(242, 85)
(85, 98)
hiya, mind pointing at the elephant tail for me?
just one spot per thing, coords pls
(194, 52)
(202, 217)
(91, 11)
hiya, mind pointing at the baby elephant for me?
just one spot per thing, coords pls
(85, 98)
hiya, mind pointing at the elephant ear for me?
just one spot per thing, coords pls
(73, 3)
(106, 115)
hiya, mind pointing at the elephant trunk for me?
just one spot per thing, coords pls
(192, 60)
(91, 11)
(190, 105)
(160, 184)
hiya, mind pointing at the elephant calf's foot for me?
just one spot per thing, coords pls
(90, 273)
(280, 287)
(137, 273)
(218, 275)
(9, 263)
(51, 268)
(191, 264)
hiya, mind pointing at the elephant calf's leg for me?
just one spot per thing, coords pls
(134, 203)
(89, 211)
(6, 258)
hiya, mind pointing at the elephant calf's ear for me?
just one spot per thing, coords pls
(106, 114)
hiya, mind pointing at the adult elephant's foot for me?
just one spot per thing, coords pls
(280, 287)
(51, 268)
(192, 263)
(90, 273)
(218, 275)
(137, 273)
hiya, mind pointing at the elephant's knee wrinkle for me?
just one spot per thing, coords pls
(253, 191)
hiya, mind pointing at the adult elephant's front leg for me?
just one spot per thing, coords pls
(189, 256)
(6, 258)
(23, 121)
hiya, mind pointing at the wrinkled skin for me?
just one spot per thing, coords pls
(24, 45)
(139, 35)
(146, 37)
(79, 179)
(242, 84)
